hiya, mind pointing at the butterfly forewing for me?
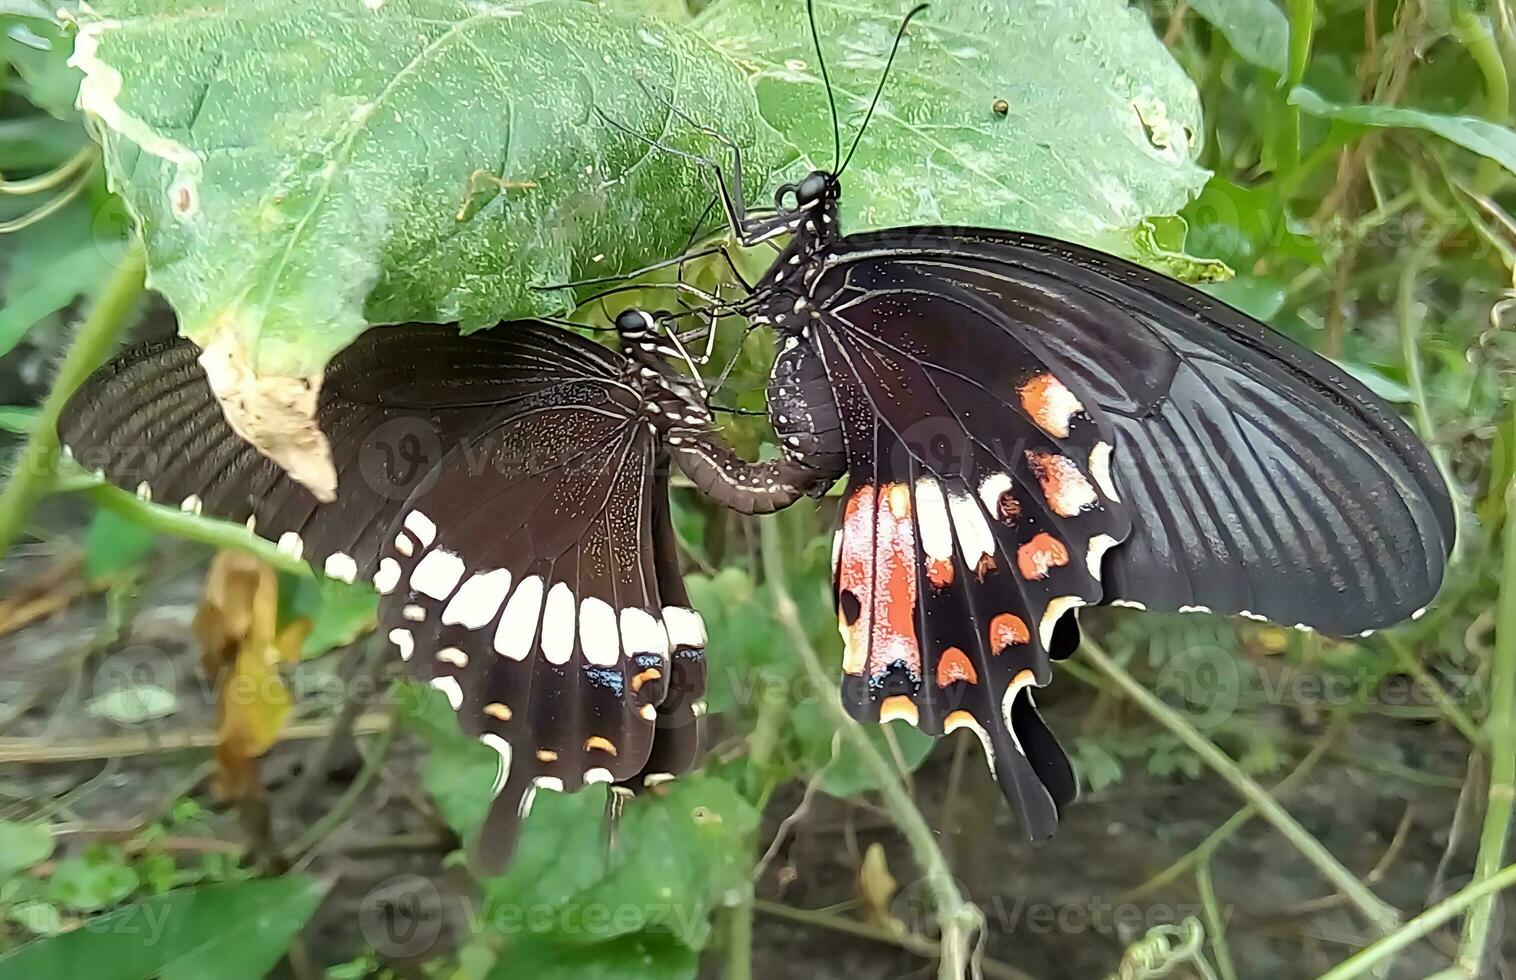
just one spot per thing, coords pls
(1261, 478)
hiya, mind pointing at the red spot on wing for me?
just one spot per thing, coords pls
(877, 564)
(1050, 404)
(1040, 555)
(955, 666)
(1067, 490)
(1006, 629)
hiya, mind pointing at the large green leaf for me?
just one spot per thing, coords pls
(1470, 132)
(301, 170)
(679, 853)
(1099, 129)
(1257, 29)
(49, 264)
(637, 957)
(232, 931)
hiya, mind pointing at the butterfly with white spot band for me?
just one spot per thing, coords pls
(506, 492)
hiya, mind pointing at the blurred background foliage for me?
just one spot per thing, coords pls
(152, 824)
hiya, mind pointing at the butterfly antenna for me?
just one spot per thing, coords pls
(831, 97)
(879, 90)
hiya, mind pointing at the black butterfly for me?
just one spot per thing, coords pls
(1029, 426)
(506, 492)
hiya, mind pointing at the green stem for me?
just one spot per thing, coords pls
(1445, 704)
(1369, 957)
(1382, 915)
(306, 844)
(739, 939)
(193, 527)
(1203, 851)
(959, 920)
(1302, 14)
(1408, 325)
(1478, 38)
(1213, 923)
(1500, 737)
(34, 467)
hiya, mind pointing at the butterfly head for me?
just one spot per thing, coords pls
(814, 198)
(636, 326)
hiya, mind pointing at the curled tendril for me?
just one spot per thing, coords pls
(1163, 950)
(75, 173)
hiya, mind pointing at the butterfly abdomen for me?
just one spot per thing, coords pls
(803, 408)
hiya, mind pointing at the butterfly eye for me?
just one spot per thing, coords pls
(813, 188)
(633, 323)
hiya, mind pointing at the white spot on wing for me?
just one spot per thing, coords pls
(437, 573)
(290, 544)
(388, 576)
(1099, 545)
(1100, 469)
(598, 636)
(685, 627)
(1056, 607)
(454, 656)
(404, 544)
(144, 491)
(192, 504)
(449, 686)
(478, 599)
(1019, 683)
(932, 520)
(402, 638)
(340, 566)
(641, 632)
(558, 617)
(962, 719)
(597, 775)
(518, 624)
(503, 749)
(422, 527)
(975, 539)
(991, 489)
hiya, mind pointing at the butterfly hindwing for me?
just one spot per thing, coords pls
(974, 522)
(503, 494)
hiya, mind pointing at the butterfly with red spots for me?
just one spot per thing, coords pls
(1029, 426)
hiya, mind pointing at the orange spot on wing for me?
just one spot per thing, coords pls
(1040, 555)
(1067, 490)
(1006, 629)
(955, 666)
(939, 571)
(1009, 507)
(877, 563)
(1050, 404)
